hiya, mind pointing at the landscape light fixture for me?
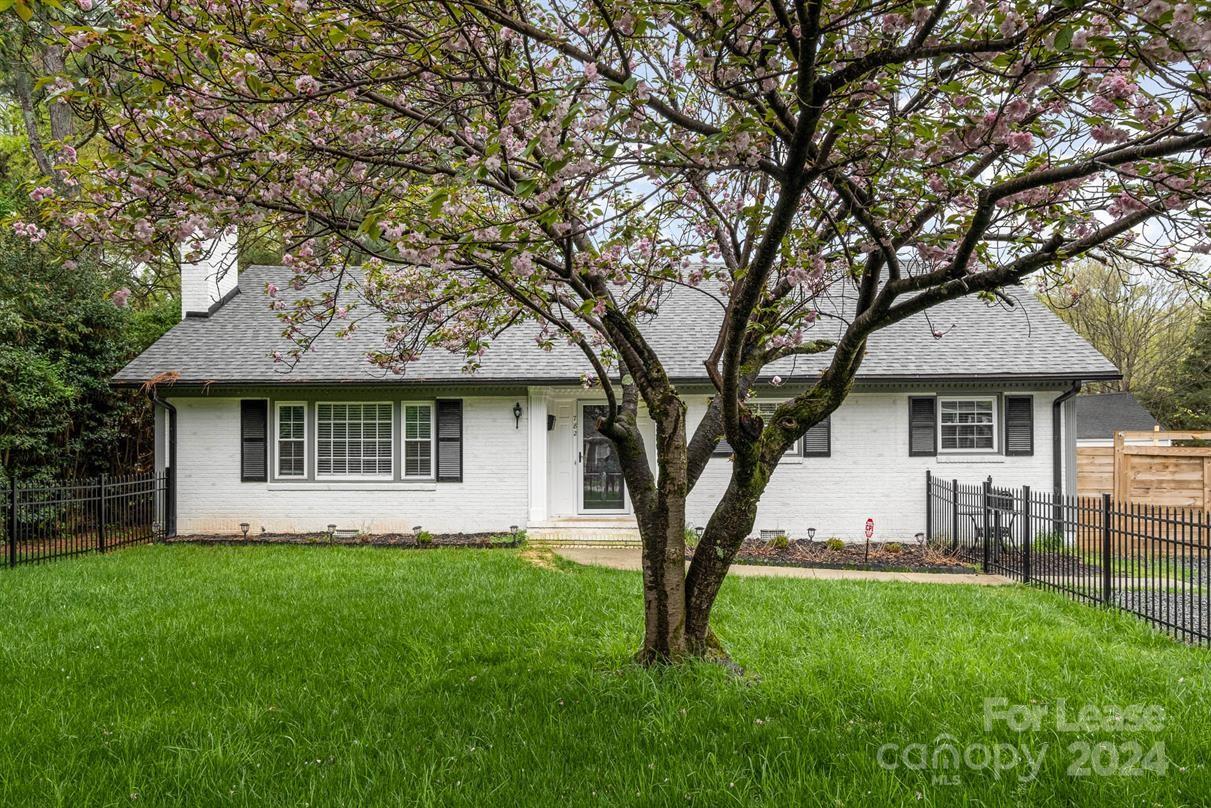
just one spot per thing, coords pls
(811, 533)
(244, 529)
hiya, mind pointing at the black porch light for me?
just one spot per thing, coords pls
(517, 415)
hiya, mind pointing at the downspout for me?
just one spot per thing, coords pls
(1057, 456)
(170, 506)
(1057, 437)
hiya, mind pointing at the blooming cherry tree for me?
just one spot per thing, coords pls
(566, 164)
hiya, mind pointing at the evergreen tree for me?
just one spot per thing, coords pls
(1192, 394)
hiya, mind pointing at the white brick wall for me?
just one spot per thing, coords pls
(211, 498)
(870, 474)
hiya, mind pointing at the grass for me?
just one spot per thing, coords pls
(345, 676)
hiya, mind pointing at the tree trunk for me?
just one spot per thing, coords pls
(726, 530)
(22, 88)
(62, 119)
(663, 534)
(660, 513)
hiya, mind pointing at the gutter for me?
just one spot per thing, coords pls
(283, 380)
(1057, 438)
(170, 494)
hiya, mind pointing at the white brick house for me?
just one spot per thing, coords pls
(336, 441)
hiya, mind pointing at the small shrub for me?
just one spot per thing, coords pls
(1049, 542)
(835, 544)
(691, 538)
(511, 539)
(424, 538)
(893, 547)
(780, 542)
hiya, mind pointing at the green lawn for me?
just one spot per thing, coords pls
(344, 676)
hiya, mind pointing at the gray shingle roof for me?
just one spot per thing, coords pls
(1100, 416)
(235, 344)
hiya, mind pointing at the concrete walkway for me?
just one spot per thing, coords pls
(627, 558)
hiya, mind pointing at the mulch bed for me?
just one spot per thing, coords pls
(908, 557)
(408, 540)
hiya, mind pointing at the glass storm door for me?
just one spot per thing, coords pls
(602, 488)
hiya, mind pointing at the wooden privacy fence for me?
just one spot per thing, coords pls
(1168, 476)
(1145, 468)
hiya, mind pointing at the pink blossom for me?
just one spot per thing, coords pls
(30, 231)
(1020, 142)
(523, 265)
(120, 297)
(1116, 85)
(307, 85)
(41, 192)
(85, 5)
(1108, 134)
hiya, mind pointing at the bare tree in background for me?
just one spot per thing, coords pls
(1141, 322)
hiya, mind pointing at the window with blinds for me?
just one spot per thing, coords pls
(967, 424)
(292, 440)
(353, 440)
(418, 440)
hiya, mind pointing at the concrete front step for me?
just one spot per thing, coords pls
(589, 531)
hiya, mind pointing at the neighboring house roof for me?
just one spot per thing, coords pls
(980, 341)
(1100, 416)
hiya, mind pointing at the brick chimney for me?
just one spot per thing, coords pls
(207, 284)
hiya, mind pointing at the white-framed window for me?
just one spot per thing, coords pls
(290, 425)
(766, 410)
(418, 443)
(353, 439)
(967, 424)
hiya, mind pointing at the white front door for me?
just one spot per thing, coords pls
(602, 489)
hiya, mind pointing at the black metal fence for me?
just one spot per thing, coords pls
(61, 520)
(1152, 561)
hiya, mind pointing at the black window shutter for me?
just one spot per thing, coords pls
(254, 445)
(922, 426)
(818, 441)
(1019, 425)
(450, 441)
